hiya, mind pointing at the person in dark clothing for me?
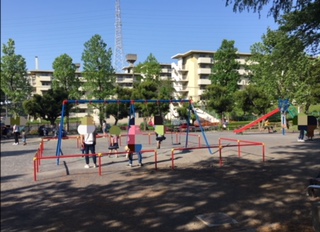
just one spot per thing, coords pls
(16, 134)
(159, 139)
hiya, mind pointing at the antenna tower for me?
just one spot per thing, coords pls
(118, 54)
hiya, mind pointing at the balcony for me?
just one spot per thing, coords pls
(166, 70)
(44, 87)
(204, 82)
(124, 80)
(45, 78)
(182, 79)
(182, 70)
(181, 89)
(204, 71)
(205, 60)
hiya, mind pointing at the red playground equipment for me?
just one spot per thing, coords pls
(252, 124)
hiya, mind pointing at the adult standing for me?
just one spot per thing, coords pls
(301, 135)
(16, 134)
(129, 156)
(88, 141)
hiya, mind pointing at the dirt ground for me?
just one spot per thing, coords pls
(245, 194)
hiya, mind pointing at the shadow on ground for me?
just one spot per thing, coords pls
(267, 196)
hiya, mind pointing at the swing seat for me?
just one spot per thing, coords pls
(161, 138)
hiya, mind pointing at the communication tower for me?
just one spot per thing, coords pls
(118, 53)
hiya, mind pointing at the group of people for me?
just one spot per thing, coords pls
(88, 142)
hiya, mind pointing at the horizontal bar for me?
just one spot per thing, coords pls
(121, 101)
(241, 141)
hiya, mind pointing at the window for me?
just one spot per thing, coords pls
(46, 83)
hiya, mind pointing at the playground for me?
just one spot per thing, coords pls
(251, 182)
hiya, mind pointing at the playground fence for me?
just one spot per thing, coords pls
(39, 154)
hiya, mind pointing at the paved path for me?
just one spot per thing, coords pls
(169, 199)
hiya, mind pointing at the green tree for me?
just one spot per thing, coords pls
(281, 67)
(300, 18)
(14, 81)
(48, 106)
(65, 76)
(150, 69)
(277, 8)
(98, 73)
(120, 110)
(151, 86)
(219, 99)
(312, 93)
(183, 112)
(224, 79)
(252, 100)
(225, 69)
(146, 90)
(305, 25)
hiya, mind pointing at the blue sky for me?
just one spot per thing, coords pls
(48, 29)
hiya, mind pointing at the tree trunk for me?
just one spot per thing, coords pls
(144, 123)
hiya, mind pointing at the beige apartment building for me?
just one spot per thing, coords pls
(189, 75)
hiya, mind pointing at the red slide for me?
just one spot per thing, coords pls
(251, 124)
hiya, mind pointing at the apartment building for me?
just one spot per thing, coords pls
(190, 75)
(41, 81)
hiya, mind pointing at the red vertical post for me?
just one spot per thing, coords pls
(100, 169)
(40, 152)
(177, 138)
(38, 159)
(199, 141)
(220, 155)
(149, 139)
(34, 169)
(155, 159)
(172, 159)
(239, 152)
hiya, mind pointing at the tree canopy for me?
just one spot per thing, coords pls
(226, 67)
(277, 7)
(120, 110)
(224, 79)
(300, 18)
(281, 67)
(65, 76)
(305, 25)
(98, 73)
(14, 80)
(47, 106)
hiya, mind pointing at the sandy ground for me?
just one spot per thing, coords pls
(244, 194)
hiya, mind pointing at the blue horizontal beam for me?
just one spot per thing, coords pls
(121, 101)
